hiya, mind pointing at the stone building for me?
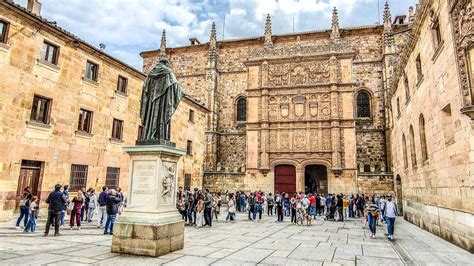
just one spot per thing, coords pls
(431, 111)
(294, 112)
(68, 108)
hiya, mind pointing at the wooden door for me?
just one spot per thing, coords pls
(28, 177)
(285, 178)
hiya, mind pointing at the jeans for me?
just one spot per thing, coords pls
(190, 216)
(231, 216)
(53, 217)
(31, 225)
(390, 225)
(102, 218)
(351, 211)
(287, 209)
(24, 212)
(312, 211)
(63, 216)
(109, 225)
(372, 225)
(90, 214)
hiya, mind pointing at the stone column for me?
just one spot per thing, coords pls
(151, 225)
(335, 74)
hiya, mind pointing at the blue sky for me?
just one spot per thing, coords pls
(128, 27)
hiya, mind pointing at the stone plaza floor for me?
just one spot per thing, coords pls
(244, 242)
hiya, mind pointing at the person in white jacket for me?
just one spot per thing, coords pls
(92, 204)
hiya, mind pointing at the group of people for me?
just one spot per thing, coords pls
(82, 207)
(199, 207)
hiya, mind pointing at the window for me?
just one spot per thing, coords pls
(92, 71)
(447, 120)
(399, 113)
(424, 148)
(436, 31)
(407, 88)
(117, 129)
(419, 70)
(405, 156)
(412, 147)
(187, 181)
(241, 110)
(122, 84)
(85, 121)
(367, 168)
(140, 133)
(189, 148)
(78, 178)
(50, 53)
(363, 104)
(4, 31)
(41, 109)
(191, 116)
(112, 177)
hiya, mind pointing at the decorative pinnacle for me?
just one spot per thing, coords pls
(213, 43)
(387, 17)
(268, 32)
(163, 45)
(335, 25)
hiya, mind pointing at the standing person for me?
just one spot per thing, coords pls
(182, 207)
(382, 204)
(259, 205)
(85, 206)
(57, 201)
(122, 198)
(372, 213)
(24, 207)
(217, 204)
(270, 203)
(345, 202)
(31, 225)
(231, 208)
(66, 194)
(360, 205)
(351, 207)
(250, 204)
(112, 204)
(293, 208)
(322, 205)
(340, 208)
(312, 205)
(299, 210)
(199, 211)
(279, 207)
(190, 208)
(390, 214)
(208, 202)
(287, 203)
(92, 205)
(102, 218)
(77, 201)
(237, 200)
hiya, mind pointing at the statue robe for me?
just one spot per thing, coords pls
(160, 98)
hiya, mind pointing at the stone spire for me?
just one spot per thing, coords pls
(268, 32)
(213, 43)
(411, 16)
(387, 19)
(163, 45)
(335, 25)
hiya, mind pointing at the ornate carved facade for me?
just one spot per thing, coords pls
(301, 108)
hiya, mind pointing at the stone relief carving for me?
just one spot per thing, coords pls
(298, 73)
(284, 140)
(299, 102)
(462, 17)
(299, 139)
(169, 175)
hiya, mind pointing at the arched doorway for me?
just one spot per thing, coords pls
(316, 179)
(285, 178)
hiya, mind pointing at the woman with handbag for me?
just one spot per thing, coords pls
(372, 215)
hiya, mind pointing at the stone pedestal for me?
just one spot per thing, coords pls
(150, 225)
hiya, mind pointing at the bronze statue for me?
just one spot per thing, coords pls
(160, 98)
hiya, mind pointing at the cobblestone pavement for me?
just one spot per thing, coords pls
(244, 243)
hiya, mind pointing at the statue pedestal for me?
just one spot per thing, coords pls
(150, 225)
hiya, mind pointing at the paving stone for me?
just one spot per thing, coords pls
(317, 253)
(286, 261)
(191, 260)
(367, 260)
(254, 255)
(221, 253)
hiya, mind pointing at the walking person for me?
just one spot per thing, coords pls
(77, 203)
(382, 204)
(390, 214)
(92, 205)
(102, 217)
(66, 194)
(372, 215)
(231, 208)
(57, 202)
(31, 225)
(24, 207)
(112, 204)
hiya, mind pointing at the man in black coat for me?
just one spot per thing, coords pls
(112, 204)
(57, 201)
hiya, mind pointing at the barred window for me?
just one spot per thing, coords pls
(363, 105)
(242, 110)
(78, 178)
(112, 177)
